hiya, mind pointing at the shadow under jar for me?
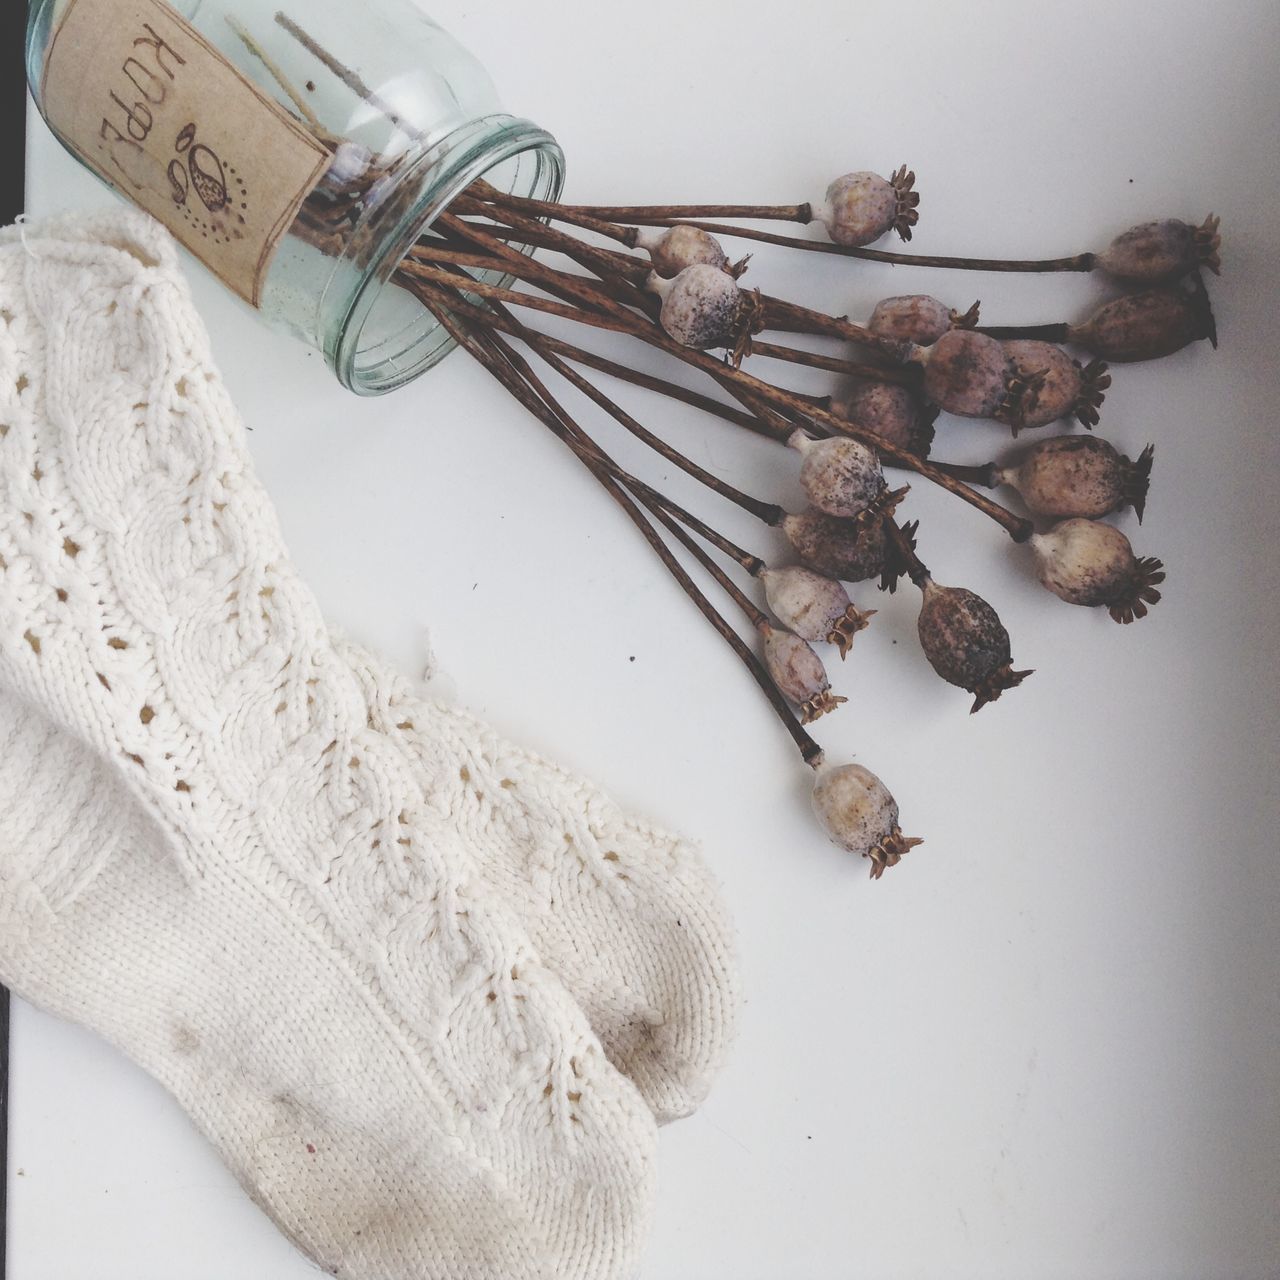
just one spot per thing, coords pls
(299, 152)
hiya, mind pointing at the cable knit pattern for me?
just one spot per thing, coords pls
(212, 851)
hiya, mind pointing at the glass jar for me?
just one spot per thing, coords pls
(299, 154)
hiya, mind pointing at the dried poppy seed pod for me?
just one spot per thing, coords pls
(970, 374)
(701, 307)
(676, 248)
(1079, 476)
(835, 547)
(1066, 388)
(839, 475)
(799, 673)
(813, 606)
(1087, 563)
(1154, 251)
(893, 412)
(966, 643)
(918, 318)
(858, 813)
(1148, 325)
(860, 207)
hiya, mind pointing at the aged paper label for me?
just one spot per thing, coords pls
(152, 107)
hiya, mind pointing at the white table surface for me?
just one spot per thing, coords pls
(1046, 1045)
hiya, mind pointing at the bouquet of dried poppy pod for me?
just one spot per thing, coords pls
(661, 275)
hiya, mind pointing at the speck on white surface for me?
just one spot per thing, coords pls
(1047, 1044)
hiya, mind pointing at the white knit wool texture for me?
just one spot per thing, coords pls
(312, 904)
(627, 916)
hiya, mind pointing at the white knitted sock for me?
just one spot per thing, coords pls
(281, 924)
(277, 1046)
(627, 916)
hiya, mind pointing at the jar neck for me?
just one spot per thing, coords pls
(377, 337)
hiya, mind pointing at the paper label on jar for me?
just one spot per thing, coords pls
(152, 107)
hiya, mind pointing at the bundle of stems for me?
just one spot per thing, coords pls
(496, 268)
(659, 275)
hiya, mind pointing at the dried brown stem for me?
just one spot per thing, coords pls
(412, 269)
(984, 475)
(480, 190)
(672, 515)
(1080, 262)
(510, 226)
(751, 563)
(777, 313)
(790, 317)
(609, 295)
(696, 215)
(347, 76)
(671, 389)
(769, 512)
(515, 374)
(624, 373)
(287, 85)
(585, 292)
(613, 298)
(662, 214)
(780, 425)
(482, 320)
(850, 368)
(755, 615)
(1040, 332)
(602, 313)
(606, 262)
(541, 236)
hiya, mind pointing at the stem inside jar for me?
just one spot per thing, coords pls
(389, 337)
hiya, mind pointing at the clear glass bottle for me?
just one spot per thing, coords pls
(299, 154)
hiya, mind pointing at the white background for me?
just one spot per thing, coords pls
(1045, 1045)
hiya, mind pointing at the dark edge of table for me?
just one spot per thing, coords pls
(13, 114)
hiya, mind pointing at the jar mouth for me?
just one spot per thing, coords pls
(389, 337)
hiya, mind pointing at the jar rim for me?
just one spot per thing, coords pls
(39, 18)
(467, 154)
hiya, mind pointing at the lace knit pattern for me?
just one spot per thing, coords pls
(217, 855)
(627, 916)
